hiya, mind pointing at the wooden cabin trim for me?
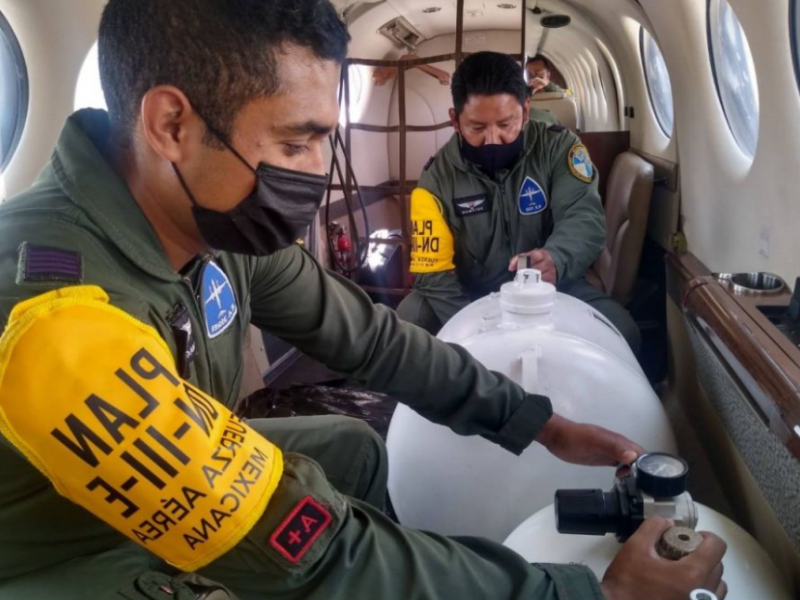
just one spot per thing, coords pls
(766, 363)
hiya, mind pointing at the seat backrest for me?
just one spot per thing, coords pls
(561, 105)
(628, 195)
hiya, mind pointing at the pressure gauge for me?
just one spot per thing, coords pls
(654, 486)
(661, 475)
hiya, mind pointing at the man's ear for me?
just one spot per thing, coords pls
(169, 122)
(454, 120)
(526, 111)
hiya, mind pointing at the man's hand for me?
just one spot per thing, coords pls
(381, 75)
(586, 444)
(442, 76)
(541, 260)
(638, 572)
(537, 84)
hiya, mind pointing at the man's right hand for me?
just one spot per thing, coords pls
(541, 260)
(639, 572)
(537, 84)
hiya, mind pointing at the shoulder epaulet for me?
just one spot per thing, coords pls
(557, 128)
(428, 164)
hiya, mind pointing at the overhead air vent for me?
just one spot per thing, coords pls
(401, 33)
(556, 21)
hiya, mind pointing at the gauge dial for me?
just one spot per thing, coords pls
(662, 465)
(661, 475)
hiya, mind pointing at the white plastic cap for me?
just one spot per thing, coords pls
(528, 294)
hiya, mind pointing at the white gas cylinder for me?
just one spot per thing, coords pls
(749, 572)
(529, 303)
(442, 482)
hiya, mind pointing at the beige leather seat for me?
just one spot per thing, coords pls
(561, 105)
(628, 194)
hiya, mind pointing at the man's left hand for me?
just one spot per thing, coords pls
(541, 260)
(589, 445)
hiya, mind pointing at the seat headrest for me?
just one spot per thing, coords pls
(549, 96)
(628, 196)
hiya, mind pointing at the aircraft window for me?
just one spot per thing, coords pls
(658, 82)
(13, 93)
(735, 74)
(356, 73)
(795, 34)
(89, 92)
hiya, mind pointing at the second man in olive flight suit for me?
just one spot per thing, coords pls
(504, 186)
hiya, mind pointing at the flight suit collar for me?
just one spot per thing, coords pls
(89, 181)
(453, 154)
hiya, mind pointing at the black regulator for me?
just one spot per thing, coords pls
(654, 486)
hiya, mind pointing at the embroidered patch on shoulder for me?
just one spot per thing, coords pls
(557, 128)
(43, 264)
(532, 199)
(580, 164)
(472, 205)
(296, 535)
(219, 300)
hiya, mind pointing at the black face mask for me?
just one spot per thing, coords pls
(493, 157)
(272, 218)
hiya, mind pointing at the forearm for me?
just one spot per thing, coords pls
(336, 323)
(573, 253)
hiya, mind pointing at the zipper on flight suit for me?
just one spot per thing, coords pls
(501, 186)
(195, 289)
(506, 233)
(504, 215)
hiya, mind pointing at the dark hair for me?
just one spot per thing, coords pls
(542, 59)
(221, 53)
(488, 74)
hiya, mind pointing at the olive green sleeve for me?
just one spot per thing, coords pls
(579, 219)
(381, 555)
(332, 320)
(443, 292)
(544, 116)
(434, 268)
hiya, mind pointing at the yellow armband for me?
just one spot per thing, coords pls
(432, 248)
(91, 397)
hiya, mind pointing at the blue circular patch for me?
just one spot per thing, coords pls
(532, 199)
(219, 301)
(580, 164)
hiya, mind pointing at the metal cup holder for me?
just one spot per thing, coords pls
(753, 284)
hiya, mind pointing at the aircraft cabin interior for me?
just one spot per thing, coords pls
(690, 111)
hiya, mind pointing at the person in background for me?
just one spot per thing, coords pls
(504, 187)
(539, 71)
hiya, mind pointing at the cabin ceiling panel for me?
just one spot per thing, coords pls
(366, 41)
(584, 32)
(478, 15)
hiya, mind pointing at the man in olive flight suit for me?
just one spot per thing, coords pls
(129, 273)
(502, 187)
(539, 71)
